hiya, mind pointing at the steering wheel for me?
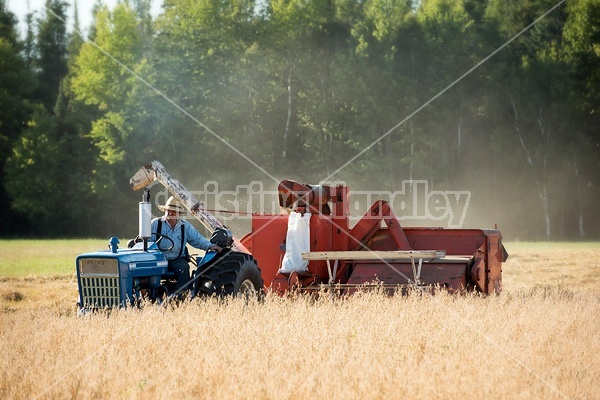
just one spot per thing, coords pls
(163, 248)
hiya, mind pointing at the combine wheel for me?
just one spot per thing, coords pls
(236, 274)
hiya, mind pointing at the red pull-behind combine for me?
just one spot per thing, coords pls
(371, 251)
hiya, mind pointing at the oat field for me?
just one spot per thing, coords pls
(538, 340)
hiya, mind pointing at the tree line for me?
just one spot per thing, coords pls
(236, 91)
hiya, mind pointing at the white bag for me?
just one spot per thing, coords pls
(297, 242)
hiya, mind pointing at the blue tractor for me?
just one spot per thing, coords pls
(120, 277)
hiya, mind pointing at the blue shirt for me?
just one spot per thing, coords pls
(192, 236)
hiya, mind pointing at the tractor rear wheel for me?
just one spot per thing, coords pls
(235, 274)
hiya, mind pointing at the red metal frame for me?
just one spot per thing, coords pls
(479, 268)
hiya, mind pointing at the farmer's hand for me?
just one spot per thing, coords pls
(215, 248)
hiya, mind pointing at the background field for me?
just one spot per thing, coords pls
(537, 340)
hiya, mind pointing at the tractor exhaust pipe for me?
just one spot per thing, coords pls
(145, 216)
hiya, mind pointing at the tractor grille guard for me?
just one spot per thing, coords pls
(100, 283)
(100, 292)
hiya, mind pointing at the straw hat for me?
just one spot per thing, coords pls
(172, 204)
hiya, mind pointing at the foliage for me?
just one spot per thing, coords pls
(240, 91)
(15, 91)
(51, 63)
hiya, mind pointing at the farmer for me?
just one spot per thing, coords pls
(180, 233)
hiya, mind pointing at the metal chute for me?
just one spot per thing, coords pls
(155, 171)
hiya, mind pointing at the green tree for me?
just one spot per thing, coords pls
(15, 81)
(582, 43)
(51, 62)
(50, 169)
(15, 91)
(35, 175)
(106, 75)
(210, 67)
(582, 54)
(111, 78)
(534, 86)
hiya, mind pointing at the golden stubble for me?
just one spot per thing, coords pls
(534, 341)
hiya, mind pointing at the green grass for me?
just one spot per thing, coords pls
(21, 258)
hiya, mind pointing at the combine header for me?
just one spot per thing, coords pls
(309, 246)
